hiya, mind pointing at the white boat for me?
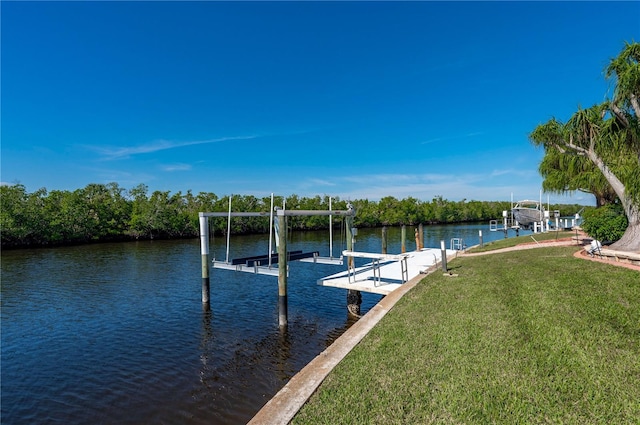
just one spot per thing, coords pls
(528, 212)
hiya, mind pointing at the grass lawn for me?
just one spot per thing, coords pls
(509, 242)
(534, 336)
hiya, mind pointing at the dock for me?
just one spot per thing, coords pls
(386, 272)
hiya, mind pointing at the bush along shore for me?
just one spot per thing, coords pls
(535, 336)
(108, 212)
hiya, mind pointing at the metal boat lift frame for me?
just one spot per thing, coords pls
(252, 264)
(262, 264)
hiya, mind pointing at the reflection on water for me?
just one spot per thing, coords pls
(116, 333)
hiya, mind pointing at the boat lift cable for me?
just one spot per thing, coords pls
(330, 231)
(228, 228)
(343, 235)
(271, 230)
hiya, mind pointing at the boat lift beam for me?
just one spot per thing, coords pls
(280, 212)
(264, 259)
(258, 258)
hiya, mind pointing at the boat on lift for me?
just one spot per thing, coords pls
(527, 212)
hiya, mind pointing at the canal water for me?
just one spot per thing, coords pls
(116, 333)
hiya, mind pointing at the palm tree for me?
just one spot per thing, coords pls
(625, 71)
(606, 136)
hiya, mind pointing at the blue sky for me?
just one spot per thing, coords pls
(357, 100)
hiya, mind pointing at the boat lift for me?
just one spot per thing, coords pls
(263, 264)
(255, 264)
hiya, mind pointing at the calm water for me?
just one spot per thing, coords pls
(116, 333)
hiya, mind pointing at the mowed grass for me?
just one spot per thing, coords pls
(526, 337)
(525, 239)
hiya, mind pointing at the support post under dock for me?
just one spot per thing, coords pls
(282, 270)
(354, 298)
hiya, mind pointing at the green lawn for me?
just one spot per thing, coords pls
(533, 336)
(513, 241)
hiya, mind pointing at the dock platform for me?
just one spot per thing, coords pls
(386, 272)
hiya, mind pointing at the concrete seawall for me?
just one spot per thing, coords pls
(286, 403)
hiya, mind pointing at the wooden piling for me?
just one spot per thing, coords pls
(421, 235)
(384, 239)
(417, 237)
(480, 236)
(403, 239)
(204, 251)
(282, 269)
(354, 298)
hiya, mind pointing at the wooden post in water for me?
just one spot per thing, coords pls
(421, 235)
(417, 236)
(354, 298)
(282, 269)
(403, 239)
(384, 239)
(204, 251)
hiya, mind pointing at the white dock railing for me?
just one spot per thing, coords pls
(375, 264)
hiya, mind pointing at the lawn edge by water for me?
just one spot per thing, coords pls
(520, 337)
(286, 403)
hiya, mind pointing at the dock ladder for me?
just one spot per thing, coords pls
(457, 244)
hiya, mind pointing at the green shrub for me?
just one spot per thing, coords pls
(606, 223)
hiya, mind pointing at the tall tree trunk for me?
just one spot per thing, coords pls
(635, 104)
(630, 240)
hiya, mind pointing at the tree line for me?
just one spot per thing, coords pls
(108, 212)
